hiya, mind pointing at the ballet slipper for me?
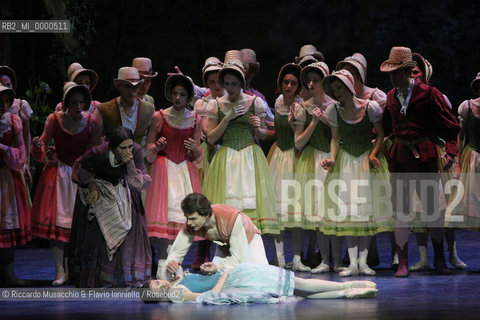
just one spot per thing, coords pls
(366, 270)
(321, 268)
(350, 271)
(360, 284)
(298, 266)
(360, 293)
(457, 263)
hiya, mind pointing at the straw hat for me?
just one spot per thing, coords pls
(6, 70)
(71, 87)
(358, 61)
(76, 68)
(182, 80)
(144, 67)
(344, 76)
(128, 75)
(475, 83)
(319, 67)
(424, 65)
(400, 57)
(249, 59)
(233, 62)
(211, 64)
(289, 68)
(309, 52)
(9, 91)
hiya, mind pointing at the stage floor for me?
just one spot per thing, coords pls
(423, 295)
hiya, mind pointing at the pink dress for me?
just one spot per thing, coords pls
(14, 210)
(174, 175)
(54, 201)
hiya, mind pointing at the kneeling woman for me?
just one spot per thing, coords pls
(252, 283)
(109, 242)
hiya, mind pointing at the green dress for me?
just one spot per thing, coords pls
(357, 197)
(282, 160)
(245, 159)
(310, 176)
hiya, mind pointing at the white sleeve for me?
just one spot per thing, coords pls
(331, 115)
(374, 111)
(299, 113)
(27, 110)
(380, 97)
(212, 109)
(463, 110)
(260, 108)
(180, 246)
(239, 247)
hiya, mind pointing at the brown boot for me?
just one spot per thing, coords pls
(402, 270)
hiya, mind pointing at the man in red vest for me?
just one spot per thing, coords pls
(414, 113)
(237, 238)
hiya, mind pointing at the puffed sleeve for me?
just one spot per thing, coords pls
(380, 97)
(40, 154)
(25, 110)
(278, 102)
(137, 176)
(374, 111)
(200, 107)
(14, 156)
(260, 108)
(212, 109)
(59, 107)
(152, 136)
(331, 115)
(299, 114)
(463, 111)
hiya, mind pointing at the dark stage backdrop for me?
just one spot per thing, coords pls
(109, 34)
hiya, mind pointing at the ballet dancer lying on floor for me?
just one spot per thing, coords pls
(253, 283)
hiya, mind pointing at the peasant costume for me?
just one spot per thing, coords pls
(109, 244)
(54, 201)
(208, 150)
(22, 109)
(366, 210)
(246, 283)
(282, 155)
(239, 174)
(174, 170)
(309, 168)
(468, 209)
(14, 209)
